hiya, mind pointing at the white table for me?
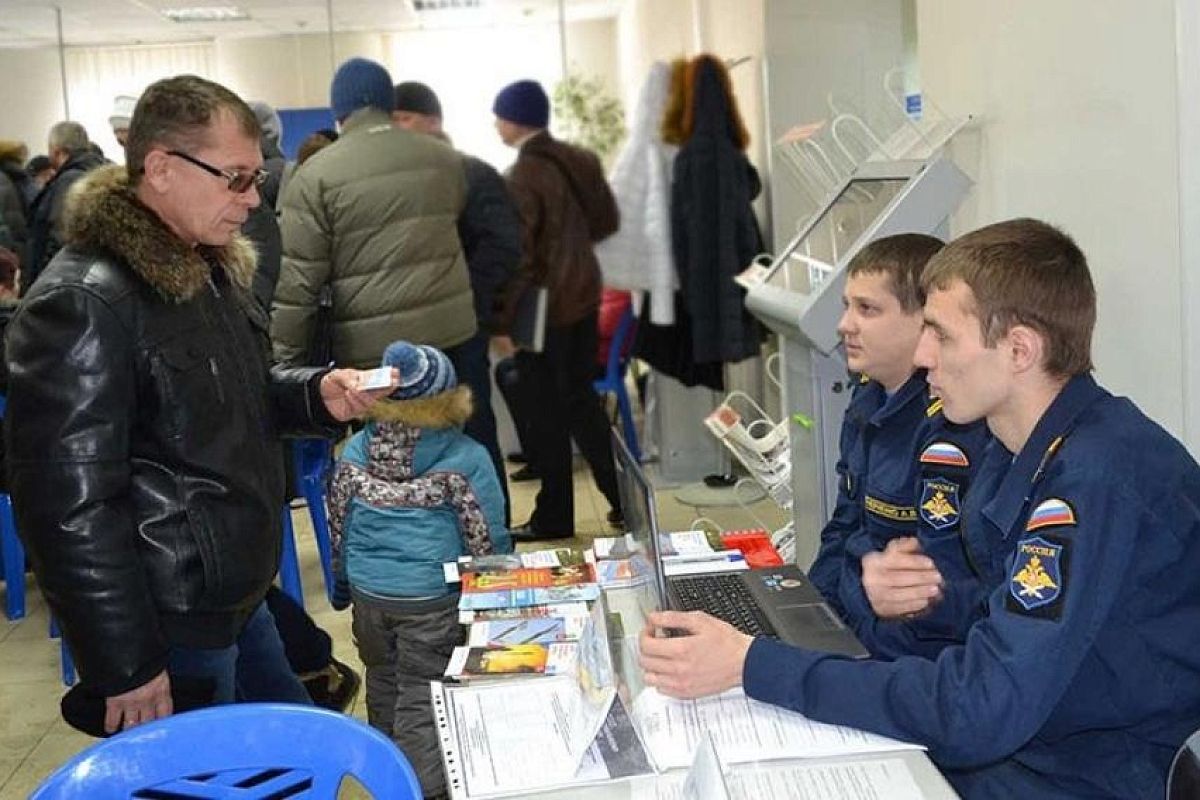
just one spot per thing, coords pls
(626, 604)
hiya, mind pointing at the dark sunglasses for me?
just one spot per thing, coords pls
(239, 182)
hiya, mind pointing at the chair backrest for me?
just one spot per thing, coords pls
(246, 750)
(1183, 779)
(614, 369)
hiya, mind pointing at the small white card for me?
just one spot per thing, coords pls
(380, 378)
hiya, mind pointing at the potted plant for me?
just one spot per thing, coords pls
(586, 114)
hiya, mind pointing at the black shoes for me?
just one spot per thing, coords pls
(615, 518)
(333, 687)
(528, 533)
(525, 473)
(516, 457)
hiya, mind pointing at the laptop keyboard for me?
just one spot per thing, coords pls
(725, 597)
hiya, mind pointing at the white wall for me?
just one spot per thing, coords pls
(1079, 127)
(30, 95)
(663, 30)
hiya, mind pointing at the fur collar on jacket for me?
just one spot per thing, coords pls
(104, 215)
(445, 410)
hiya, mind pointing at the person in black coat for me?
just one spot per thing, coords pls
(490, 233)
(715, 234)
(72, 157)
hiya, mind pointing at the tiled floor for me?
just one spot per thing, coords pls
(33, 738)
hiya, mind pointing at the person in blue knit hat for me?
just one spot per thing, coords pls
(360, 83)
(410, 493)
(565, 206)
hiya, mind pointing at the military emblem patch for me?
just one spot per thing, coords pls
(1053, 511)
(939, 503)
(945, 454)
(1038, 576)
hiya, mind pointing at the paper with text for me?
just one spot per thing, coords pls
(743, 730)
(887, 779)
(522, 734)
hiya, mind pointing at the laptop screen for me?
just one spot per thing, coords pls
(641, 525)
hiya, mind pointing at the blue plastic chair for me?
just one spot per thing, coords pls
(66, 663)
(248, 751)
(614, 380)
(313, 462)
(289, 561)
(12, 554)
(313, 459)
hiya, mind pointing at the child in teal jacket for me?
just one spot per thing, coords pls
(411, 492)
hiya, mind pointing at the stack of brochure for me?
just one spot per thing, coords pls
(619, 561)
(533, 702)
(524, 620)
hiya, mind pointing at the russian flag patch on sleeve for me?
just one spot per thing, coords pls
(946, 454)
(1050, 512)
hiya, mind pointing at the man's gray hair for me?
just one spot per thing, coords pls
(69, 136)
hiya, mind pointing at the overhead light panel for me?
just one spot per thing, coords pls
(206, 14)
(444, 5)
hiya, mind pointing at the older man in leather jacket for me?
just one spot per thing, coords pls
(143, 415)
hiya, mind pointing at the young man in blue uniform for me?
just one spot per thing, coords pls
(903, 469)
(1081, 677)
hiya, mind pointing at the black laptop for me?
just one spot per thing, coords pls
(777, 602)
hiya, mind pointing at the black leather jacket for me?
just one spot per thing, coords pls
(142, 424)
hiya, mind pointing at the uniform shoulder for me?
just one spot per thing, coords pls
(950, 443)
(1115, 431)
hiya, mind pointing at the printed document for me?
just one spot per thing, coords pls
(887, 779)
(743, 730)
(521, 734)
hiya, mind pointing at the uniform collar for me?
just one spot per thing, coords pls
(1005, 507)
(914, 389)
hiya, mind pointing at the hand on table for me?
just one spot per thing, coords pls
(708, 660)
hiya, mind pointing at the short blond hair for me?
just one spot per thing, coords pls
(1025, 272)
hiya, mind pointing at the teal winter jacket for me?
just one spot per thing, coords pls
(411, 492)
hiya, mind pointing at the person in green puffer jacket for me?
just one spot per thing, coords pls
(374, 215)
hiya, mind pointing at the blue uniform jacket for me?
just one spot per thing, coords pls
(903, 470)
(1083, 677)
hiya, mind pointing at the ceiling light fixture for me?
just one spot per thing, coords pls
(444, 5)
(205, 14)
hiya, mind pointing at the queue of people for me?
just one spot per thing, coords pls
(1011, 542)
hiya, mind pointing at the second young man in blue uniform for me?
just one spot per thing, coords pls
(903, 470)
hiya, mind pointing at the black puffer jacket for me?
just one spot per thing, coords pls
(142, 429)
(490, 232)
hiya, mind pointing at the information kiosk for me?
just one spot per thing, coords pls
(799, 296)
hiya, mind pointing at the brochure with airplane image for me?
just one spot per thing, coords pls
(538, 596)
(525, 630)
